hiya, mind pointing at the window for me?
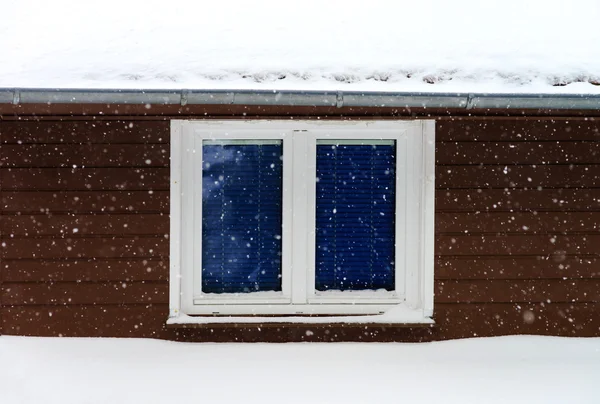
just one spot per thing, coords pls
(302, 217)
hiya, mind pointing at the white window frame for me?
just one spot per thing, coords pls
(415, 168)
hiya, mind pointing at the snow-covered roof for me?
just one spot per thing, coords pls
(535, 46)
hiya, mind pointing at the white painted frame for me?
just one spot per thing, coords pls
(415, 168)
(191, 139)
(376, 131)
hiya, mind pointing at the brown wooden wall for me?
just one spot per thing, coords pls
(84, 229)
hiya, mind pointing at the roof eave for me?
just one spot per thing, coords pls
(17, 96)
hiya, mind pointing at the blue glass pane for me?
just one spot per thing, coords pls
(241, 217)
(355, 240)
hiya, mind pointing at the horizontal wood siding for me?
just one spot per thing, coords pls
(84, 132)
(85, 179)
(85, 224)
(93, 225)
(517, 227)
(88, 155)
(84, 227)
(90, 202)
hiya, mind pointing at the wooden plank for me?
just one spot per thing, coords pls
(446, 291)
(149, 321)
(84, 179)
(157, 131)
(502, 200)
(474, 153)
(537, 267)
(452, 321)
(79, 270)
(521, 223)
(74, 111)
(142, 321)
(82, 225)
(559, 176)
(487, 320)
(503, 130)
(497, 222)
(447, 177)
(77, 202)
(517, 291)
(75, 155)
(84, 132)
(219, 111)
(101, 247)
(65, 293)
(506, 245)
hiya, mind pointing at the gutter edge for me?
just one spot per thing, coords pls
(17, 96)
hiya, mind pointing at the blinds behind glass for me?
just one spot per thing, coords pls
(242, 216)
(355, 215)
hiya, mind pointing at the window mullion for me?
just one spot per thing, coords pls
(301, 222)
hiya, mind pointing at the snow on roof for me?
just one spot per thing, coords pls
(545, 46)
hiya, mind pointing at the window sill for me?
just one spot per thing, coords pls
(397, 317)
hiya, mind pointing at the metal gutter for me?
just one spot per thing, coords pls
(301, 98)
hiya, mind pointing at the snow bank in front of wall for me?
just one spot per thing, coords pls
(521, 369)
(547, 46)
